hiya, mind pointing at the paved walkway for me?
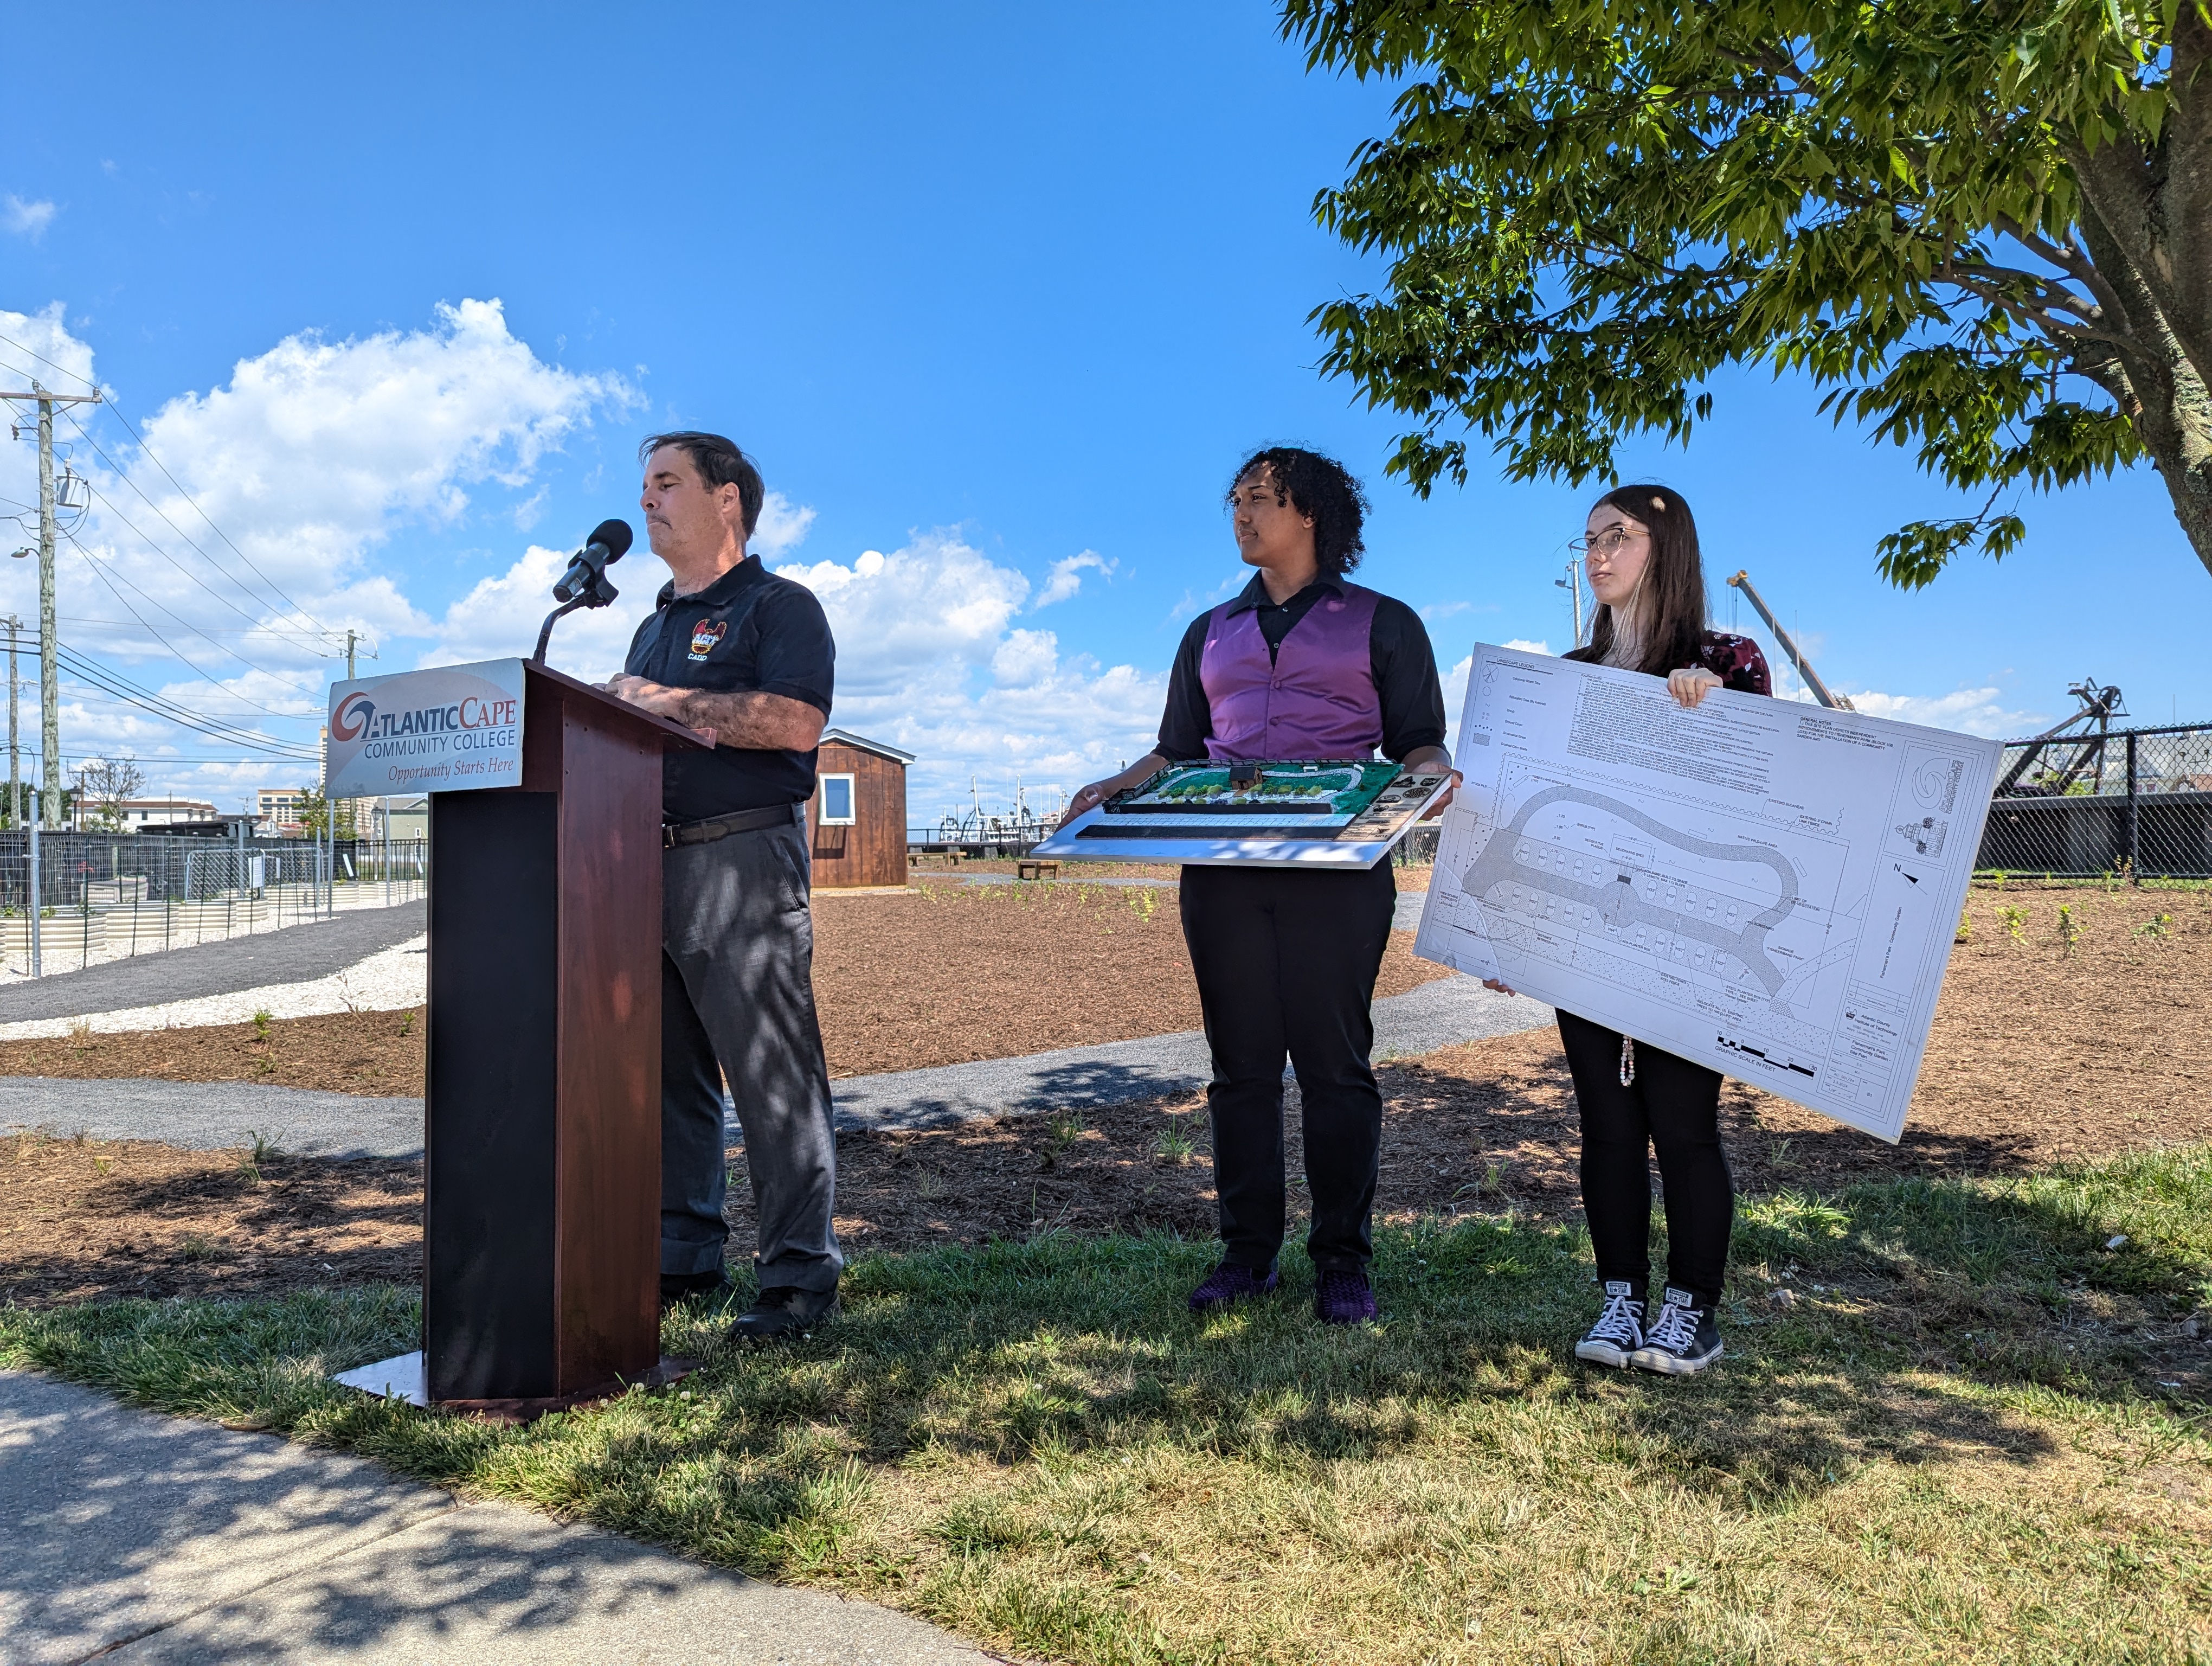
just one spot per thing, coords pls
(139, 1538)
(222, 1115)
(295, 954)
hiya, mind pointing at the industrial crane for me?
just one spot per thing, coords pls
(1804, 666)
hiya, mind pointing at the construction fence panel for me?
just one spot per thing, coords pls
(2132, 804)
(106, 897)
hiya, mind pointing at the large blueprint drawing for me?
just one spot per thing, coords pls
(1767, 887)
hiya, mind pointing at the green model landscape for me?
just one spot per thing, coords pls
(1349, 787)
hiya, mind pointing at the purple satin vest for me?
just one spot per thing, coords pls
(1317, 700)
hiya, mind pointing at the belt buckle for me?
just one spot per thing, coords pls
(668, 836)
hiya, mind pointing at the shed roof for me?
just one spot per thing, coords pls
(844, 738)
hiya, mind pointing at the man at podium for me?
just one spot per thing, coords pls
(732, 649)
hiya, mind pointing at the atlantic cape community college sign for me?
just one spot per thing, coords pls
(449, 728)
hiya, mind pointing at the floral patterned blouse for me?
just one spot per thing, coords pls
(1735, 660)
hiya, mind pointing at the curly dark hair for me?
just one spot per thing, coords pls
(720, 463)
(1313, 485)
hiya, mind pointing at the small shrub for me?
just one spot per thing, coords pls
(2159, 924)
(1067, 1127)
(261, 1021)
(1175, 1146)
(1966, 933)
(2069, 927)
(2015, 922)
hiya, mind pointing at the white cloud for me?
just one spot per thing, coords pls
(1522, 645)
(25, 219)
(313, 457)
(501, 617)
(1972, 711)
(781, 529)
(1067, 576)
(929, 660)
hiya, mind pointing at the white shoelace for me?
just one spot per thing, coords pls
(1676, 1330)
(1617, 1323)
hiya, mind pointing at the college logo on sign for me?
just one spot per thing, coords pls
(705, 635)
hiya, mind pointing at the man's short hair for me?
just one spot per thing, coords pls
(720, 463)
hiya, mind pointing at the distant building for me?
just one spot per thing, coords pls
(397, 818)
(141, 815)
(857, 818)
(277, 812)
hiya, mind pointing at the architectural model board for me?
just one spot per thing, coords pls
(1294, 814)
(1767, 887)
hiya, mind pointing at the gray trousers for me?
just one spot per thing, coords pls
(737, 990)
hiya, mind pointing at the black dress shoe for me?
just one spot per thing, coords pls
(784, 1311)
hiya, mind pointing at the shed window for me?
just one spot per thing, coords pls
(837, 810)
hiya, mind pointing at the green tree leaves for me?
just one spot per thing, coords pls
(1985, 231)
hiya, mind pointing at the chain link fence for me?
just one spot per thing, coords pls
(104, 897)
(2132, 804)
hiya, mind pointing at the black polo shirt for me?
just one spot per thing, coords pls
(750, 631)
(1398, 656)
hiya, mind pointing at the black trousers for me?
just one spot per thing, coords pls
(1286, 963)
(1672, 1107)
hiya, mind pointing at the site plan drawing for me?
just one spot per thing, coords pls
(1289, 813)
(1767, 887)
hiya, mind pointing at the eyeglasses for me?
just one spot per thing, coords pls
(1606, 541)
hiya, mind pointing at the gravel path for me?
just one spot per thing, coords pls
(294, 955)
(220, 1116)
(388, 981)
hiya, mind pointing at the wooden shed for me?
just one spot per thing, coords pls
(856, 823)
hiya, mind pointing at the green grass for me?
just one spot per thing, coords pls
(1952, 1442)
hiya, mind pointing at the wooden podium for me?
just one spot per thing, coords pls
(541, 1252)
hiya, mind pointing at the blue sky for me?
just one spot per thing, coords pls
(996, 294)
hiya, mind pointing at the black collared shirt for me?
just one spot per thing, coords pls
(749, 631)
(1398, 652)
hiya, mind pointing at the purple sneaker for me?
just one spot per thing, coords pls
(1343, 1298)
(1229, 1283)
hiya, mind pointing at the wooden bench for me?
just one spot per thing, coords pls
(1027, 868)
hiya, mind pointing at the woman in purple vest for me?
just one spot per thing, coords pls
(1640, 550)
(1301, 665)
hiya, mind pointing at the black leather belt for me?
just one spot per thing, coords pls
(721, 826)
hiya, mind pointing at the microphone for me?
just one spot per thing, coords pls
(609, 541)
(585, 584)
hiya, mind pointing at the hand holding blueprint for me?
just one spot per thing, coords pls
(1767, 887)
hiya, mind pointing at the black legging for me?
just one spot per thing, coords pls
(1673, 1107)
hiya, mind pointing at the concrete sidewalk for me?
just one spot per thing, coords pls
(141, 1538)
(222, 1115)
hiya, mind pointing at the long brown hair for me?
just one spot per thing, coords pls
(1674, 585)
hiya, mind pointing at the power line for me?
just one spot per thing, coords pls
(123, 474)
(147, 452)
(114, 682)
(107, 503)
(106, 579)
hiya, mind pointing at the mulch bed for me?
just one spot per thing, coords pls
(2041, 1053)
(945, 975)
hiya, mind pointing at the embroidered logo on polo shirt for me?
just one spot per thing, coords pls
(705, 635)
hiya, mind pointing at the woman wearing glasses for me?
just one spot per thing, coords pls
(1640, 550)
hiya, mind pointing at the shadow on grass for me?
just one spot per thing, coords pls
(1930, 1324)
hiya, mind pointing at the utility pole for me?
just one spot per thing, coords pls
(350, 639)
(50, 716)
(1572, 585)
(15, 750)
